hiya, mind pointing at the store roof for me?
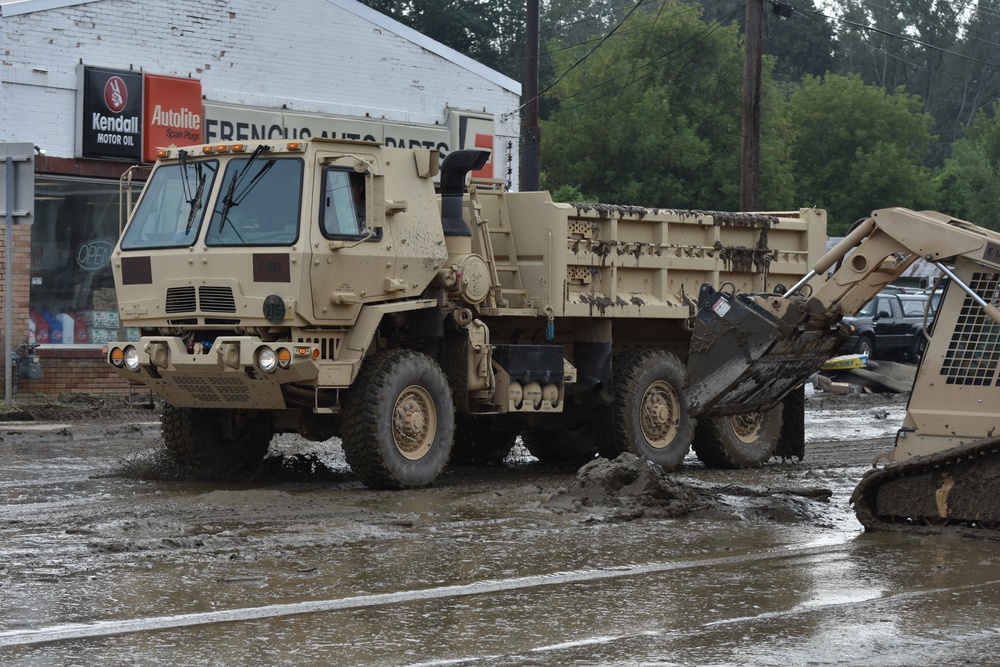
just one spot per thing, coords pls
(17, 7)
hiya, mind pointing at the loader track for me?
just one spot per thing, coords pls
(952, 492)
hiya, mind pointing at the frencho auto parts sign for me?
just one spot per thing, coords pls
(110, 110)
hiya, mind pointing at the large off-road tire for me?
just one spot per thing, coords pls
(573, 445)
(216, 438)
(738, 441)
(398, 421)
(480, 442)
(649, 416)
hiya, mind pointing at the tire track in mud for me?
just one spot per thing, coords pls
(64, 632)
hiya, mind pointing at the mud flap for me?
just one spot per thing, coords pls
(744, 359)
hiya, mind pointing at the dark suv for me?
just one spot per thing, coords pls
(889, 326)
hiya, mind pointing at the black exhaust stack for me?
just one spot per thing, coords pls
(454, 167)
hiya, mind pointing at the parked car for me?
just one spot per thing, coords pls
(890, 326)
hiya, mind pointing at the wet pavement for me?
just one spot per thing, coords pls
(110, 556)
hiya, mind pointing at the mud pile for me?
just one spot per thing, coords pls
(625, 489)
(78, 407)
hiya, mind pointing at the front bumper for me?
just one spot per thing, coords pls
(229, 374)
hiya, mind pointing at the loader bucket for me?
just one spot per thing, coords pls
(744, 359)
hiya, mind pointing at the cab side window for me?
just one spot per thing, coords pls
(344, 206)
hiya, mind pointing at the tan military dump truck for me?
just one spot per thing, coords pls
(349, 289)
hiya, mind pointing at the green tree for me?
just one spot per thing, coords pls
(488, 31)
(802, 43)
(969, 84)
(652, 117)
(970, 182)
(857, 148)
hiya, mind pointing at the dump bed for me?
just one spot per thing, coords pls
(597, 260)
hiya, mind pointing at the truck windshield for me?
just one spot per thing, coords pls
(259, 203)
(172, 207)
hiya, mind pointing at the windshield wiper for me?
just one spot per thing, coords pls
(182, 161)
(195, 203)
(230, 200)
(227, 203)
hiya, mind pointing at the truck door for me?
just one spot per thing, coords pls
(885, 317)
(895, 326)
(351, 249)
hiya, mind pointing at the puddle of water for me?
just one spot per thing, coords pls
(866, 423)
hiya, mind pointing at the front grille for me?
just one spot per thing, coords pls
(181, 300)
(216, 299)
(213, 390)
(974, 350)
(210, 299)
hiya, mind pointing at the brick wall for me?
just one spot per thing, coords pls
(21, 274)
(74, 371)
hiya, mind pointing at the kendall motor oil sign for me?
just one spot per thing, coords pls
(110, 109)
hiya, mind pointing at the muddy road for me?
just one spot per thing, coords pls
(110, 555)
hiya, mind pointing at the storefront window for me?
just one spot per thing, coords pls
(73, 235)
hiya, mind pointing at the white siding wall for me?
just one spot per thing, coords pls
(316, 56)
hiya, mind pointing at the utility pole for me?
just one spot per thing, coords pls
(750, 149)
(531, 159)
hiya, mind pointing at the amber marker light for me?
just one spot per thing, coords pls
(238, 148)
(117, 357)
(208, 150)
(284, 357)
(162, 153)
(294, 145)
(222, 148)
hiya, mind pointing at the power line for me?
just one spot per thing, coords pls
(935, 24)
(585, 56)
(624, 31)
(880, 31)
(681, 48)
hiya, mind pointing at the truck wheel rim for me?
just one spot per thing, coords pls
(659, 414)
(414, 422)
(747, 427)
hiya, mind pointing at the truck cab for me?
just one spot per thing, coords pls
(890, 326)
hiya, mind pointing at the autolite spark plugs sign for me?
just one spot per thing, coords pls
(172, 113)
(110, 108)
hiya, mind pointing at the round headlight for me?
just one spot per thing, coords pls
(132, 358)
(267, 360)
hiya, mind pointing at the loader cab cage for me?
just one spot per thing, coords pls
(973, 355)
